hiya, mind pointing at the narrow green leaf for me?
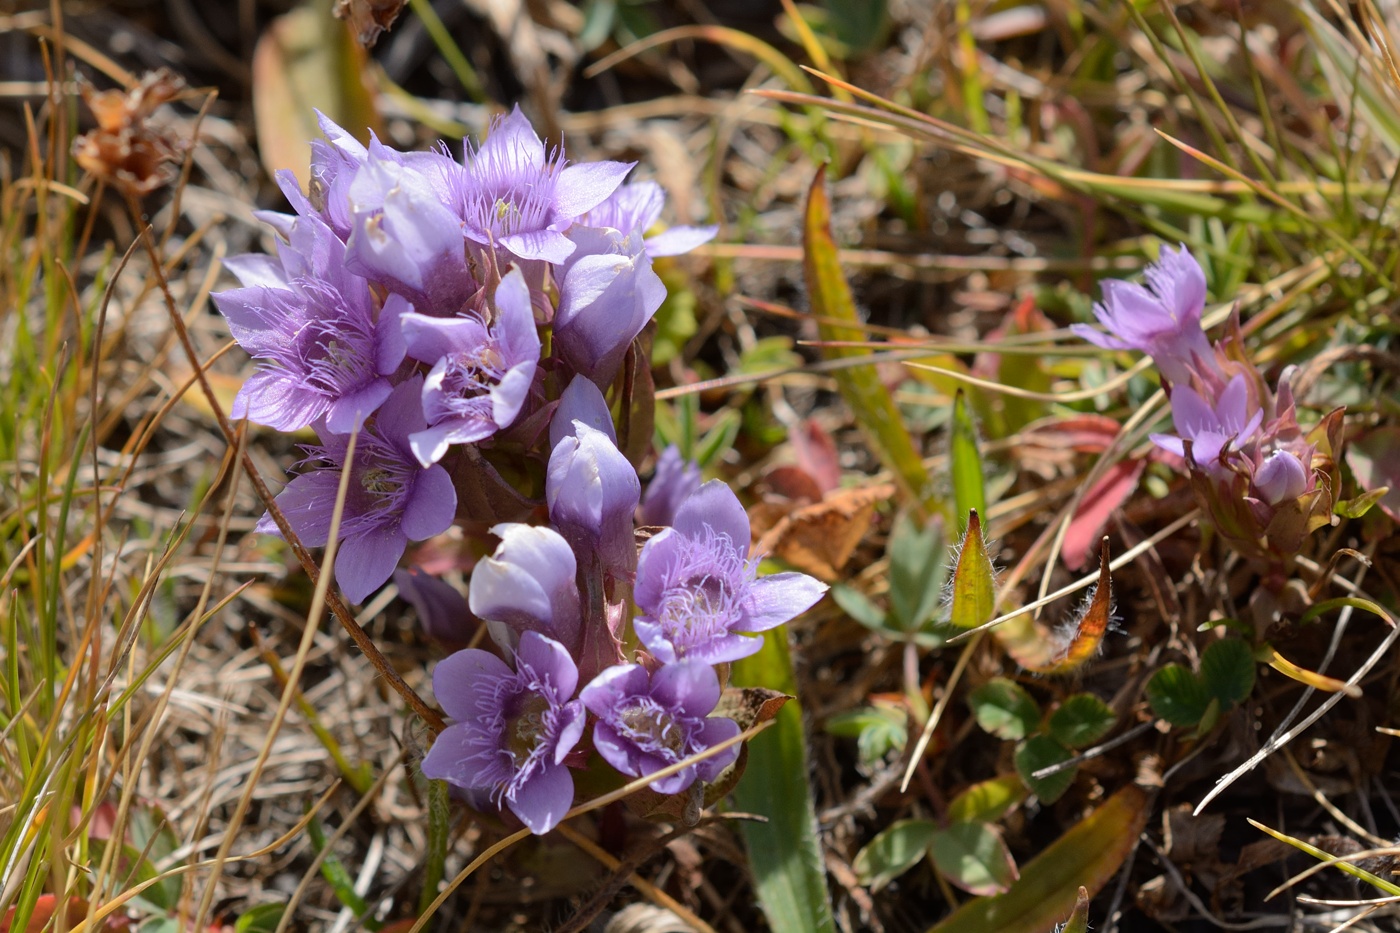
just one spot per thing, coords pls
(333, 870)
(786, 858)
(1088, 855)
(965, 460)
(858, 606)
(895, 850)
(261, 919)
(974, 857)
(1081, 720)
(1004, 708)
(918, 570)
(974, 581)
(1038, 752)
(831, 300)
(1178, 696)
(988, 800)
(1387, 887)
(1227, 670)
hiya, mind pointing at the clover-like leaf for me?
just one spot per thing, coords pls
(974, 857)
(1081, 720)
(895, 850)
(1178, 696)
(1003, 708)
(1039, 752)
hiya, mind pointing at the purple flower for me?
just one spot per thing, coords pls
(404, 235)
(649, 723)
(675, 480)
(528, 583)
(1281, 477)
(1213, 430)
(390, 499)
(697, 589)
(481, 372)
(513, 728)
(608, 292)
(591, 488)
(515, 196)
(324, 349)
(634, 208)
(1162, 320)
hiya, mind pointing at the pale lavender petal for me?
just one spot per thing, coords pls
(348, 413)
(545, 654)
(455, 674)
(689, 688)
(581, 401)
(678, 240)
(547, 245)
(542, 801)
(714, 506)
(780, 598)
(585, 186)
(307, 503)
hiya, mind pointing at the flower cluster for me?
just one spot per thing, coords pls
(1265, 482)
(450, 329)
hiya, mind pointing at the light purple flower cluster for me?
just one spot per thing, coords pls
(450, 329)
(1265, 482)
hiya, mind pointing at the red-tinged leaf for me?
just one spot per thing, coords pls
(1086, 527)
(1086, 856)
(306, 60)
(42, 915)
(817, 455)
(973, 857)
(831, 300)
(1089, 628)
(1374, 459)
(974, 581)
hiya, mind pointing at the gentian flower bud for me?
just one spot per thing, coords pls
(607, 294)
(646, 723)
(1280, 477)
(591, 488)
(529, 584)
(513, 729)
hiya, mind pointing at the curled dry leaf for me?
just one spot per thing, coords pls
(126, 150)
(369, 18)
(819, 539)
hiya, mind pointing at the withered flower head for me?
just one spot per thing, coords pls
(126, 150)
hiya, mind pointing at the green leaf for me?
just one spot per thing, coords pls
(988, 800)
(1089, 854)
(719, 438)
(333, 870)
(789, 874)
(1038, 752)
(1081, 721)
(831, 301)
(918, 570)
(878, 730)
(1178, 696)
(1078, 921)
(973, 857)
(895, 850)
(858, 606)
(965, 459)
(1003, 708)
(974, 580)
(261, 919)
(1227, 670)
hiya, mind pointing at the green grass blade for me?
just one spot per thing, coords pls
(969, 482)
(784, 853)
(831, 299)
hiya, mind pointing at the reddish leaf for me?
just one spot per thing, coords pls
(1086, 528)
